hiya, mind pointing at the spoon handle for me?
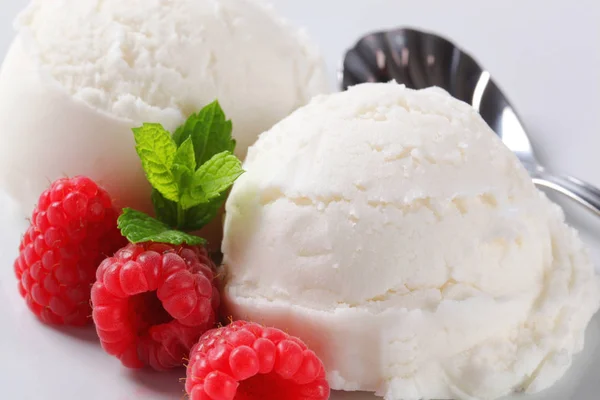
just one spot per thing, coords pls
(582, 192)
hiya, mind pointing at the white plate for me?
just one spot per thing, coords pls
(517, 40)
(40, 362)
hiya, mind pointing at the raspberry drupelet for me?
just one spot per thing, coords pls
(152, 301)
(73, 228)
(246, 361)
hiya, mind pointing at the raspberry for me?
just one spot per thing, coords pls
(246, 361)
(152, 301)
(72, 229)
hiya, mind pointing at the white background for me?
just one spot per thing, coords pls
(544, 54)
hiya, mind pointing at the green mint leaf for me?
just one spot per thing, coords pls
(210, 180)
(220, 138)
(184, 165)
(210, 132)
(217, 175)
(194, 218)
(138, 227)
(183, 176)
(165, 210)
(157, 151)
(185, 155)
(192, 197)
(197, 217)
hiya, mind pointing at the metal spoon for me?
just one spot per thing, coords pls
(420, 59)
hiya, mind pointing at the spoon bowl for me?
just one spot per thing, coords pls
(421, 59)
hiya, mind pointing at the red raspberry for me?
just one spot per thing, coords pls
(246, 361)
(72, 229)
(153, 301)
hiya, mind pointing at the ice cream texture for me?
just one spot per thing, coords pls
(82, 73)
(393, 232)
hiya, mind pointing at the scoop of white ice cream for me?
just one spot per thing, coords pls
(82, 73)
(394, 232)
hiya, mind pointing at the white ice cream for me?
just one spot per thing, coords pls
(394, 232)
(82, 73)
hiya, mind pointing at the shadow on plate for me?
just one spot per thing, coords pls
(169, 384)
(84, 334)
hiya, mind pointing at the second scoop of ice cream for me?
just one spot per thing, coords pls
(393, 231)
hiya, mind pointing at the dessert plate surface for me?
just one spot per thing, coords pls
(40, 362)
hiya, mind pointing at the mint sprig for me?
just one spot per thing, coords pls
(190, 171)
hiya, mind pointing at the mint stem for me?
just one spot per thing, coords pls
(180, 216)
